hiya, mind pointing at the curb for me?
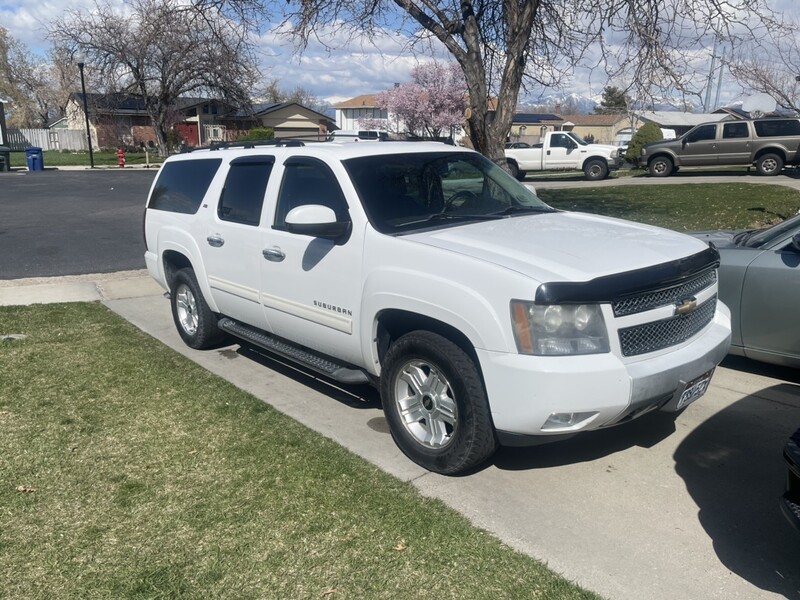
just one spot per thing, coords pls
(97, 287)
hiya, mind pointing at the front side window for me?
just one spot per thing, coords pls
(182, 184)
(308, 181)
(243, 195)
(402, 193)
(702, 133)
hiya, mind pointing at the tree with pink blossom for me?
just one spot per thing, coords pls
(432, 104)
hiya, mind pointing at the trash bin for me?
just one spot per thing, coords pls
(5, 158)
(35, 159)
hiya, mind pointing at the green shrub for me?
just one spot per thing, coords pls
(259, 133)
(649, 132)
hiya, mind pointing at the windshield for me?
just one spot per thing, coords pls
(577, 138)
(761, 238)
(402, 193)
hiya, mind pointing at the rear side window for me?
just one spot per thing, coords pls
(777, 128)
(181, 185)
(734, 131)
(243, 195)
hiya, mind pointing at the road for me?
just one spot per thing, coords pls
(72, 222)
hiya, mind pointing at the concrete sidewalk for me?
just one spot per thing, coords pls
(78, 288)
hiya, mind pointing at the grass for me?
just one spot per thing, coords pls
(54, 158)
(127, 471)
(684, 207)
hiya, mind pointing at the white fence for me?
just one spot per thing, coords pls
(47, 139)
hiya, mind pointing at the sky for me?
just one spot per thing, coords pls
(332, 75)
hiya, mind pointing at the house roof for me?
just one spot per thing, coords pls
(535, 118)
(668, 118)
(264, 109)
(363, 101)
(134, 103)
(608, 120)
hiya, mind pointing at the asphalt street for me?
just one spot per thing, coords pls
(56, 223)
(659, 509)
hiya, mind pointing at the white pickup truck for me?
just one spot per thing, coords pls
(564, 151)
(483, 315)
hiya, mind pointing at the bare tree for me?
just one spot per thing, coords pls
(771, 67)
(162, 50)
(502, 46)
(272, 91)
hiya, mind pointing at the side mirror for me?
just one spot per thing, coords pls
(795, 243)
(317, 221)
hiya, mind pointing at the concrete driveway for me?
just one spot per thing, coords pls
(658, 509)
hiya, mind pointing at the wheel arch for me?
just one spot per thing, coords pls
(176, 257)
(662, 154)
(771, 150)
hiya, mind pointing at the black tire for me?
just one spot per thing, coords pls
(195, 322)
(595, 169)
(769, 164)
(661, 166)
(513, 168)
(445, 425)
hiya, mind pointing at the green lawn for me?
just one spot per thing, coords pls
(684, 207)
(127, 471)
(54, 158)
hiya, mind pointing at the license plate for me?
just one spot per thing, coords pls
(695, 389)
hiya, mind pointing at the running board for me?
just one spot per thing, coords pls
(307, 358)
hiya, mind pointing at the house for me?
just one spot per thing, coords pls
(350, 112)
(531, 127)
(681, 122)
(116, 119)
(614, 129)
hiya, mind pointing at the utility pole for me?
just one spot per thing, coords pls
(709, 82)
(719, 78)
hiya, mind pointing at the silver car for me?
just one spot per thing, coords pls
(759, 279)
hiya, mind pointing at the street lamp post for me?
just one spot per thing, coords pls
(81, 63)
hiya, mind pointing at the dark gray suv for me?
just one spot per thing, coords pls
(769, 144)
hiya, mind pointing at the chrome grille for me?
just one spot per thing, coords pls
(658, 335)
(651, 300)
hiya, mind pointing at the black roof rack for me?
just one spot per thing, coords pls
(290, 142)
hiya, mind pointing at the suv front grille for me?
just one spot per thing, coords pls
(650, 300)
(658, 335)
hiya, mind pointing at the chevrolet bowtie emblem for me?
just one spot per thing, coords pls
(685, 306)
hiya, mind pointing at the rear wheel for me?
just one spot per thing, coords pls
(660, 166)
(435, 404)
(769, 164)
(513, 168)
(595, 169)
(196, 323)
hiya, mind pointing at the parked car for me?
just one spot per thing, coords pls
(759, 279)
(564, 151)
(790, 503)
(511, 145)
(769, 144)
(483, 315)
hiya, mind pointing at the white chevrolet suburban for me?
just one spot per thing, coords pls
(483, 315)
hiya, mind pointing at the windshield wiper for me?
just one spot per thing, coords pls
(516, 210)
(456, 217)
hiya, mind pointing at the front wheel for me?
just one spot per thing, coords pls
(196, 323)
(769, 164)
(435, 404)
(595, 170)
(661, 166)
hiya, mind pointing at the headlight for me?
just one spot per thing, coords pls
(644, 152)
(614, 153)
(558, 329)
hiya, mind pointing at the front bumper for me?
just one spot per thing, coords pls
(790, 502)
(525, 391)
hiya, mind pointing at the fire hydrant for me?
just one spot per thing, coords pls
(121, 157)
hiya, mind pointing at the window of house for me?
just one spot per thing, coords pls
(182, 185)
(308, 181)
(245, 186)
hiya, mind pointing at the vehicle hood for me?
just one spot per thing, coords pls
(564, 246)
(662, 143)
(601, 148)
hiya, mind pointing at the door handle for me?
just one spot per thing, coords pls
(273, 254)
(215, 240)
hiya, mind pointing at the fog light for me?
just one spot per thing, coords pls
(573, 420)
